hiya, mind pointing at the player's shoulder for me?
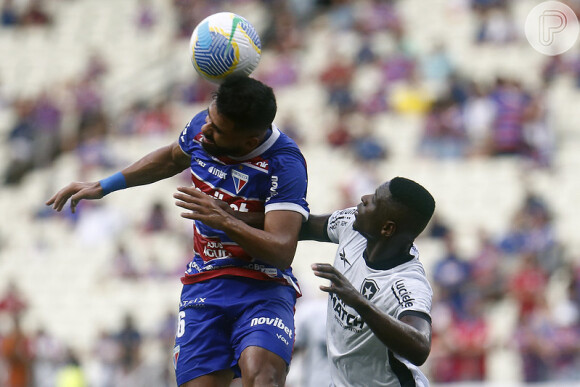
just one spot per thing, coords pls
(341, 217)
(284, 145)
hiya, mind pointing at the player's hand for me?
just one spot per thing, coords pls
(339, 285)
(76, 192)
(202, 207)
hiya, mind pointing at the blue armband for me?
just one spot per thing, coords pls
(113, 183)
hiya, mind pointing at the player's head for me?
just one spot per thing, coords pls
(241, 112)
(398, 207)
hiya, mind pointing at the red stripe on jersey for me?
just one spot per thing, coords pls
(241, 203)
(189, 279)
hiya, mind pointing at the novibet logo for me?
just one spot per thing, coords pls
(552, 28)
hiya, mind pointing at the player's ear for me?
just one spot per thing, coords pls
(389, 228)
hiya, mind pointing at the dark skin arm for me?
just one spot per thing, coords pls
(409, 337)
(275, 244)
(314, 229)
(157, 165)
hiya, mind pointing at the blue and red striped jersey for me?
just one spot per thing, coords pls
(272, 177)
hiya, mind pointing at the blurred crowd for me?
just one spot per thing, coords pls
(460, 116)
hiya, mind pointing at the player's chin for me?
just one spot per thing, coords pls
(212, 148)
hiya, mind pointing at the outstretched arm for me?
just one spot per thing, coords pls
(315, 228)
(157, 165)
(275, 244)
(409, 337)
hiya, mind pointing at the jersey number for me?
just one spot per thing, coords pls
(181, 324)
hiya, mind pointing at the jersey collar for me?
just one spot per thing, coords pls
(263, 147)
(389, 264)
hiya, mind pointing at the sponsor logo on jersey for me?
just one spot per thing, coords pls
(175, 356)
(240, 180)
(275, 322)
(196, 302)
(402, 295)
(342, 256)
(346, 319)
(369, 288)
(273, 187)
(215, 249)
(217, 172)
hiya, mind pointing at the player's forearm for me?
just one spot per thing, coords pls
(275, 250)
(157, 165)
(314, 228)
(401, 338)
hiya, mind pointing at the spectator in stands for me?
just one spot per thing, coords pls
(461, 345)
(96, 67)
(507, 132)
(310, 342)
(16, 353)
(487, 271)
(527, 285)
(71, 373)
(12, 301)
(437, 66)
(20, 140)
(35, 14)
(9, 15)
(48, 355)
(156, 220)
(444, 133)
(478, 116)
(538, 132)
(339, 134)
(146, 17)
(367, 147)
(129, 340)
(451, 275)
(534, 339)
(123, 265)
(105, 354)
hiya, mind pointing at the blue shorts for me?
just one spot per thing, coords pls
(219, 318)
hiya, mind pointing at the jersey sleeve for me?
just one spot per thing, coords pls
(288, 184)
(413, 295)
(339, 223)
(193, 127)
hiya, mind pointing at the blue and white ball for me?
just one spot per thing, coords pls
(224, 44)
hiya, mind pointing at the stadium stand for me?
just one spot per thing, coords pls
(78, 288)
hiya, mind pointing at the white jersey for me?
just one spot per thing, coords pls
(358, 357)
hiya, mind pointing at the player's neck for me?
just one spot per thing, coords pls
(386, 254)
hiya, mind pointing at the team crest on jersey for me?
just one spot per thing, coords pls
(369, 288)
(175, 356)
(240, 180)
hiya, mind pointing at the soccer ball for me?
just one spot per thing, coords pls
(224, 44)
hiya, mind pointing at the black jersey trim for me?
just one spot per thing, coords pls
(401, 371)
(416, 313)
(388, 265)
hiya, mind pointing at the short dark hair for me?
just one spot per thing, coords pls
(413, 195)
(247, 102)
(416, 198)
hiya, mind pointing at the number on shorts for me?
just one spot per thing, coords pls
(181, 324)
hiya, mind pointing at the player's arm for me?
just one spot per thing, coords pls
(275, 244)
(157, 165)
(315, 228)
(409, 337)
